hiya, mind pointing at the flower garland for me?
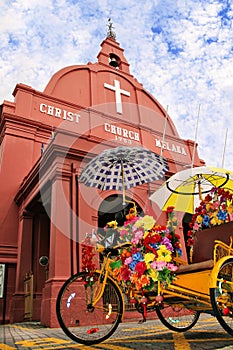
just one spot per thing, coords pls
(172, 224)
(88, 254)
(149, 258)
(215, 209)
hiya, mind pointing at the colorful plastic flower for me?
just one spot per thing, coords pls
(214, 210)
(147, 222)
(164, 254)
(149, 257)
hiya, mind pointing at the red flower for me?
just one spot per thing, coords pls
(208, 198)
(140, 268)
(198, 210)
(152, 239)
(125, 273)
(190, 242)
(170, 209)
(159, 228)
(191, 224)
(134, 250)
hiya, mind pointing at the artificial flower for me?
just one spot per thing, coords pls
(140, 268)
(153, 274)
(112, 224)
(128, 260)
(149, 257)
(216, 209)
(164, 254)
(147, 222)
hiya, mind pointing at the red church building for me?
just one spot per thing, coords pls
(47, 138)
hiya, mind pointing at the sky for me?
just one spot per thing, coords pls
(181, 51)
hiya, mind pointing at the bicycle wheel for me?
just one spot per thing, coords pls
(82, 321)
(176, 317)
(222, 296)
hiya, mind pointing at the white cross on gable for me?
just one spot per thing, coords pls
(118, 92)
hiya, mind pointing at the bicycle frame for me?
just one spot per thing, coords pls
(105, 273)
(192, 288)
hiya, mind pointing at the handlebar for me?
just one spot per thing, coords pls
(112, 250)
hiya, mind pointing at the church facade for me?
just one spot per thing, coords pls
(47, 138)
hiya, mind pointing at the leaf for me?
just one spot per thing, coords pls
(115, 264)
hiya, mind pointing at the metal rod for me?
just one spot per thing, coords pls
(195, 139)
(123, 184)
(224, 149)
(164, 131)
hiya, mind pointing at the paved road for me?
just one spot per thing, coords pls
(205, 335)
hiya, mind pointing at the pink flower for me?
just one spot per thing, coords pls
(138, 235)
(158, 265)
(123, 233)
(171, 267)
(216, 204)
(128, 260)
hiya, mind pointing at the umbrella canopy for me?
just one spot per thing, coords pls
(184, 190)
(123, 167)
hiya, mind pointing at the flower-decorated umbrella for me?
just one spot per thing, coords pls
(183, 188)
(123, 167)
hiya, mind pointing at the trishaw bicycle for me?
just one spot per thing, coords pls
(90, 306)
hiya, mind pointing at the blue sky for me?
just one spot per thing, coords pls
(181, 51)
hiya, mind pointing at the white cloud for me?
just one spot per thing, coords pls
(180, 50)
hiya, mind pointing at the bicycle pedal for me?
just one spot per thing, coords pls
(142, 321)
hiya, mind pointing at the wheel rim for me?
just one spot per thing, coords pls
(177, 317)
(222, 296)
(79, 319)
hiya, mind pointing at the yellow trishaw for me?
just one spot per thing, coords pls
(205, 285)
(91, 306)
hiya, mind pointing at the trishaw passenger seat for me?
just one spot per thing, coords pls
(203, 247)
(195, 267)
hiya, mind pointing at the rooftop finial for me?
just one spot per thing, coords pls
(110, 33)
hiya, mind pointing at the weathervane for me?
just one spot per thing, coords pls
(110, 33)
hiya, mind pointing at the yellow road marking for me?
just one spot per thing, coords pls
(180, 343)
(210, 339)
(6, 347)
(38, 342)
(113, 347)
(144, 329)
(25, 328)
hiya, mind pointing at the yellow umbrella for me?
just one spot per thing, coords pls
(185, 189)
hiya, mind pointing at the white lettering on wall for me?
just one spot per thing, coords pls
(59, 113)
(122, 134)
(170, 147)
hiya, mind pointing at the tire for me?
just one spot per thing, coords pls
(82, 322)
(176, 317)
(222, 296)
